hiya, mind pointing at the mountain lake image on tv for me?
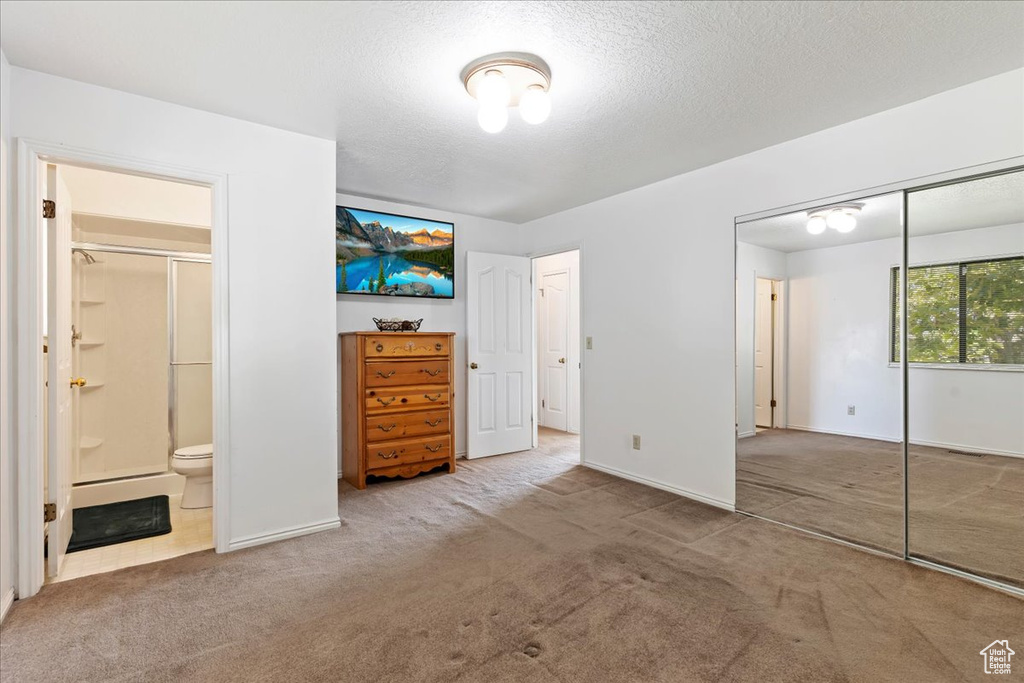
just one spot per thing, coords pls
(392, 255)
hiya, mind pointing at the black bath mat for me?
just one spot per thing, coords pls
(130, 520)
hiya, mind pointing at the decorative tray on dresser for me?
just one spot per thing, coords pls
(396, 404)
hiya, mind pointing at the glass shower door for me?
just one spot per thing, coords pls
(191, 369)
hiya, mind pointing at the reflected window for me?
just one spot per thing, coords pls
(965, 312)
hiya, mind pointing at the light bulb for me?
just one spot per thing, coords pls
(493, 90)
(816, 225)
(535, 105)
(492, 118)
(841, 221)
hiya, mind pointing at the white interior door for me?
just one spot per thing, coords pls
(763, 354)
(499, 331)
(554, 350)
(59, 369)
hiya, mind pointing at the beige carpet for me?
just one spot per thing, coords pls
(965, 511)
(524, 567)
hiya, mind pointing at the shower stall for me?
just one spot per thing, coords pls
(142, 348)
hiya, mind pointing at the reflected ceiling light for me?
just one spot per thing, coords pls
(509, 79)
(842, 219)
(816, 225)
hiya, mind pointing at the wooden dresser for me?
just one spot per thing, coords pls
(397, 418)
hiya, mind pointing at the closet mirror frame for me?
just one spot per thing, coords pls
(905, 188)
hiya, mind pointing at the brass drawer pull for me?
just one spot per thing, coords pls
(388, 428)
(431, 398)
(388, 456)
(383, 376)
(380, 347)
(434, 450)
(435, 373)
(387, 402)
(438, 346)
(434, 423)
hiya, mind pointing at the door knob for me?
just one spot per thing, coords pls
(80, 382)
(561, 360)
(473, 366)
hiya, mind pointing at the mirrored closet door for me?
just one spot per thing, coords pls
(965, 385)
(861, 322)
(818, 402)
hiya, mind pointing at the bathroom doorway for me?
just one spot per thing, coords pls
(134, 440)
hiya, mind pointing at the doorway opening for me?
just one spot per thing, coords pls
(128, 369)
(764, 354)
(557, 360)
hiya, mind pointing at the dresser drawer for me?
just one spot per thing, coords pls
(407, 451)
(406, 346)
(399, 426)
(400, 399)
(394, 373)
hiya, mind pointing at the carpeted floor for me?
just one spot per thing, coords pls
(524, 567)
(965, 511)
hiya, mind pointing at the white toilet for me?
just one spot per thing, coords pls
(195, 463)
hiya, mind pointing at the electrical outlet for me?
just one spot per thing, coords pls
(590, 343)
(851, 410)
(636, 442)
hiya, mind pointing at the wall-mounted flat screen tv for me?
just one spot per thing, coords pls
(392, 255)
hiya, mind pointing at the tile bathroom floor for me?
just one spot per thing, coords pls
(191, 531)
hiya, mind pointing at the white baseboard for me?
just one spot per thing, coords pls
(744, 435)
(686, 493)
(293, 532)
(915, 442)
(856, 435)
(968, 449)
(5, 604)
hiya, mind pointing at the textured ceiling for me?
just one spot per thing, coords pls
(641, 90)
(983, 203)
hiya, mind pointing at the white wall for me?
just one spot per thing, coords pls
(356, 312)
(280, 208)
(7, 488)
(752, 262)
(569, 262)
(658, 299)
(102, 193)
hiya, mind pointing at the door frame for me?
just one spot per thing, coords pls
(780, 342)
(28, 308)
(535, 308)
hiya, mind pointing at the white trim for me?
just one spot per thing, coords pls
(897, 186)
(744, 435)
(913, 442)
(28, 313)
(962, 367)
(968, 449)
(6, 602)
(282, 534)
(685, 493)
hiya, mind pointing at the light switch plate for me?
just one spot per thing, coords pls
(590, 343)
(636, 442)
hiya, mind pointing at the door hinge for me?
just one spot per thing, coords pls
(543, 403)
(542, 291)
(49, 208)
(773, 403)
(774, 296)
(49, 512)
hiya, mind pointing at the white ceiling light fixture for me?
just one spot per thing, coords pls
(509, 79)
(842, 219)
